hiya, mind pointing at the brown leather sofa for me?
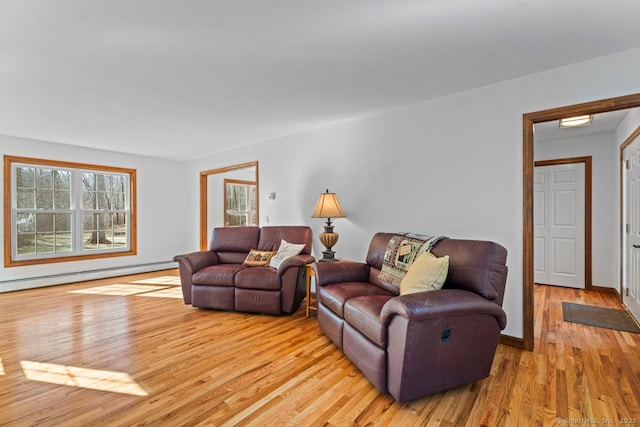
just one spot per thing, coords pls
(422, 343)
(217, 278)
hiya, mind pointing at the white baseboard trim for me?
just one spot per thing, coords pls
(66, 278)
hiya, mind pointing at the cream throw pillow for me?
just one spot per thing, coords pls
(427, 273)
(286, 250)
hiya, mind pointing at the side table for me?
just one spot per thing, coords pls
(309, 305)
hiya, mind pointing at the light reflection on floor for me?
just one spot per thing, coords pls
(164, 293)
(112, 381)
(162, 280)
(163, 287)
(119, 289)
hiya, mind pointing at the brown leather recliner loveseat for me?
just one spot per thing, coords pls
(218, 279)
(421, 343)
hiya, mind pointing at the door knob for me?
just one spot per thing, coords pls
(636, 246)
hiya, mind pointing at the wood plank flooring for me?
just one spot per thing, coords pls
(127, 351)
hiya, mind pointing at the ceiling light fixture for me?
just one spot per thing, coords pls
(572, 122)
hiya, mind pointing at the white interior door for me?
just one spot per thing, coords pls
(540, 224)
(631, 293)
(559, 225)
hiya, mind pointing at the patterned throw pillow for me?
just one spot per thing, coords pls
(257, 258)
(402, 250)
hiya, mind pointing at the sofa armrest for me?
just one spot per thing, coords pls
(194, 261)
(441, 303)
(438, 340)
(341, 271)
(295, 261)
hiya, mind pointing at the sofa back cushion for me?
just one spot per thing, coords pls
(474, 265)
(375, 256)
(377, 248)
(234, 239)
(374, 278)
(270, 237)
(233, 243)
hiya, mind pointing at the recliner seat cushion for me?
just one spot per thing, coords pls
(263, 278)
(363, 313)
(335, 295)
(217, 275)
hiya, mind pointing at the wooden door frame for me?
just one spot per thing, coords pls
(204, 188)
(588, 197)
(528, 120)
(635, 134)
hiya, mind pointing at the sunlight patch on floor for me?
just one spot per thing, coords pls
(119, 289)
(73, 376)
(162, 280)
(1, 367)
(164, 293)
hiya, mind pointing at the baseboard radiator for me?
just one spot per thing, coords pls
(80, 276)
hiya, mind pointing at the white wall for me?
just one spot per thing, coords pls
(604, 197)
(449, 166)
(627, 127)
(161, 206)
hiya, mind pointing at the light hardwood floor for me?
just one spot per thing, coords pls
(127, 351)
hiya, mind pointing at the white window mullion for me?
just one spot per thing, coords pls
(14, 213)
(76, 205)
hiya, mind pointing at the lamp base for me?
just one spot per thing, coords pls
(328, 256)
(328, 239)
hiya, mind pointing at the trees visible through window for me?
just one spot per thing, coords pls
(240, 207)
(60, 210)
(104, 213)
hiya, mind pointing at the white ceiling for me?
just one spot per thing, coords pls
(181, 79)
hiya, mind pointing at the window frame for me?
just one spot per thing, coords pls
(77, 211)
(249, 213)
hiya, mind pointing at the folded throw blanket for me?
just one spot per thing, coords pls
(402, 250)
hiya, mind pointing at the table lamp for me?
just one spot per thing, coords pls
(328, 207)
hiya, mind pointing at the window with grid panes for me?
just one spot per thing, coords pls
(61, 210)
